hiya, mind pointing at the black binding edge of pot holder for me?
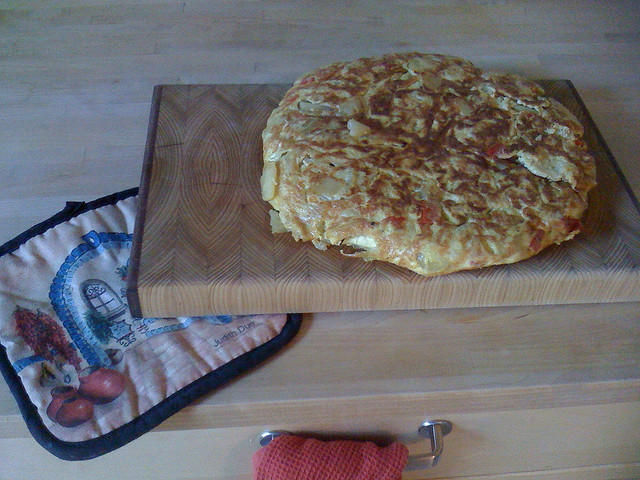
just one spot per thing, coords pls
(88, 449)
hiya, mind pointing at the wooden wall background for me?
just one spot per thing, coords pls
(76, 76)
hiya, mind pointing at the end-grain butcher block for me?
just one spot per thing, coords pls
(203, 243)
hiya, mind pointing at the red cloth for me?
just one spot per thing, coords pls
(290, 457)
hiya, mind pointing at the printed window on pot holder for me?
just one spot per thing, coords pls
(87, 375)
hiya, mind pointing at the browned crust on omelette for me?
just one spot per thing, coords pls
(425, 161)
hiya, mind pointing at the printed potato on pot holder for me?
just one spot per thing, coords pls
(87, 375)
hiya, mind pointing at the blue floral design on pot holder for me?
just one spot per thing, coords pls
(87, 375)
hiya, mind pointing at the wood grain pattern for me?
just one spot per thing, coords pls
(77, 76)
(75, 91)
(482, 445)
(203, 243)
(519, 383)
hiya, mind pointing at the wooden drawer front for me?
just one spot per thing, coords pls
(597, 441)
(588, 439)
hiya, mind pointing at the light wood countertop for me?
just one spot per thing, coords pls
(77, 77)
(76, 81)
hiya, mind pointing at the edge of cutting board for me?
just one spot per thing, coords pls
(133, 298)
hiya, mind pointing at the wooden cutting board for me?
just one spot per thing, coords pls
(203, 244)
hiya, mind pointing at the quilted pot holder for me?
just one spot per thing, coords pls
(88, 376)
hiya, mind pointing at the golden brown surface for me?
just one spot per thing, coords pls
(425, 161)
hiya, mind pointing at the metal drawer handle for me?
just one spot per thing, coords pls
(266, 437)
(433, 430)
